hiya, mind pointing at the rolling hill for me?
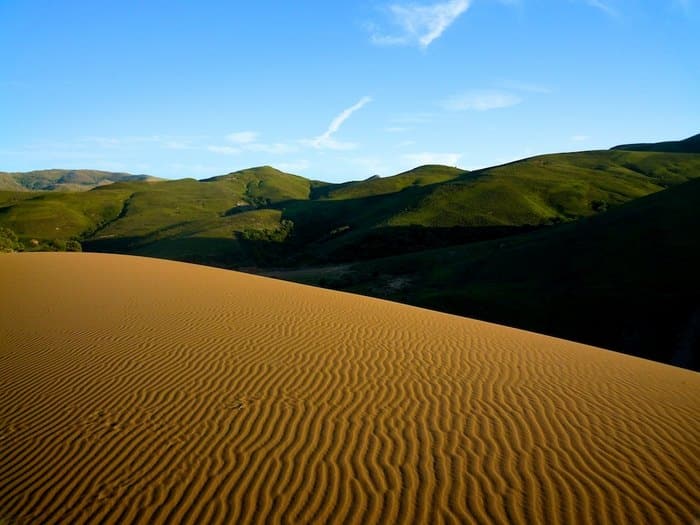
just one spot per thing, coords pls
(539, 243)
(630, 273)
(265, 216)
(63, 180)
(689, 145)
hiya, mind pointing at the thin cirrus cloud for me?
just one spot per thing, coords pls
(276, 148)
(243, 137)
(526, 87)
(419, 24)
(481, 100)
(603, 6)
(246, 141)
(224, 150)
(326, 140)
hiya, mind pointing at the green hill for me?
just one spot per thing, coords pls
(56, 215)
(265, 185)
(63, 180)
(262, 216)
(420, 176)
(689, 145)
(626, 280)
(467, 206)
(10, 183)
(594, 246)
(204, 221)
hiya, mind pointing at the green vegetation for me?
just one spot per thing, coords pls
(594, 246)
(9, 241)
(9, 183)
(689, 145)
(229, 220)
(264, 185)
(421, 176)
(63, 180)
(625, 280)
(53, 215)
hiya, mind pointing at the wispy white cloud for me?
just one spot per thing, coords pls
(177, 144)
(526, 87)
(166, 142)
(242, 137)
(422, 158)
(580, 138)
(276, 148)
(481, 100)
(326, 140)
(603, 6)
(246, 141)
(419, 24)
(396, 129)
(224, 150)
(114, 142)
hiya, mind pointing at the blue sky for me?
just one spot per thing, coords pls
(338, 90)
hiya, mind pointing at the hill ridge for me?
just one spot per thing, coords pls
(688, 145)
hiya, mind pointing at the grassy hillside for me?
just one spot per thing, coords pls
(468, 206)
(581, 245)
(625, 280)
(9, 183)
(264, 185)
(203, 221)
(10, 198)
(262, 216)
(52, 215)
(689, 145)
(548, 188)
(63, 180)
(420, 176)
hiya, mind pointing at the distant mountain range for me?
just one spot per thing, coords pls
(63, 180)
(597, 246)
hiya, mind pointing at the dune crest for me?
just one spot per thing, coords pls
(149, 391)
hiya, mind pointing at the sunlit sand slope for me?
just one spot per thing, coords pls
(140, 390)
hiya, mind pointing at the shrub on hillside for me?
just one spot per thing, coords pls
(9, 241)
(61, 245)
(73, 246)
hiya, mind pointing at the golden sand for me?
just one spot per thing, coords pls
(149, 391)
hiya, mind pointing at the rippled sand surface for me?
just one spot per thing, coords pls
(137, 390)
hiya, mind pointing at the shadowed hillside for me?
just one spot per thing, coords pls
(262, 216)
(626, 280)
(689, 145)
(533, 243)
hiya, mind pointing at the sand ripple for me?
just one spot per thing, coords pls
(147, 391)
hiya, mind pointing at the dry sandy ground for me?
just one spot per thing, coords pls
(140, 390)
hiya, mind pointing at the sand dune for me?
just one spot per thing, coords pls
(140, 390)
